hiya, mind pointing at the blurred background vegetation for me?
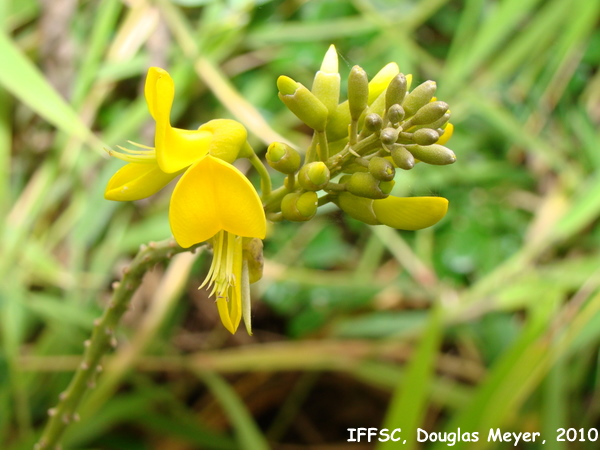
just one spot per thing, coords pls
(489, 319)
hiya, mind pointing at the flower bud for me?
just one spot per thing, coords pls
(303, 103)
(359, 208)
(419, 97)
(381, 168)
(402, 157)
(326, 85)
(425, 136)
(358, 91)
(283, 158)
(299, 207)
(389, 136)
(432, 154)
(253, 254)
(396, 91)
(314, 176)
(373, 123)
(430, 113)
(395, 114)
(363, 184)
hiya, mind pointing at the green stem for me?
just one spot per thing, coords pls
(103, 339)
(265, 179)
(323, 146)
(273, 203)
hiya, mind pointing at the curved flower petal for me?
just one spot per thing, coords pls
(228, 138)
(213, 195)
(410, 213)
(448, 131)
(176, 149)
(135, 181)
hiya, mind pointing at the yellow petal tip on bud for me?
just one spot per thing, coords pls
(286, 85)
(330, 62)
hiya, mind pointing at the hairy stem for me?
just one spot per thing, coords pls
(103, 339)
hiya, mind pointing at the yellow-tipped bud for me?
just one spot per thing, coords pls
(359, 208)
(299, 207)
(419, 96)
(381, 168)
(314, 176)
(303, 103)
(283, 158)
(358, 91)
(326, 85)
(363, 184)
(433, 154)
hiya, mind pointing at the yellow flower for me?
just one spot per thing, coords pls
(212, 200)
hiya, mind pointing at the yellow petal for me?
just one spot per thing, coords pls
(177, 149)
(410, 213)
(135, 181)
(380, 81)
(213, 195)
(228, 138)
(223, 308)
(159, 91)
(449, 130)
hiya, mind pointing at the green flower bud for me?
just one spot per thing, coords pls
(326, 85)
(358, 91)
(396, 91)
(314, 176)
(402, 157)
(299, 207)
(303, 103)
(253, 254)
(425, 136)
(389, 136)
(363, 184)
(359, 208)
(381, 168)
(432, 154)
(395, 114)
(419, 97)
(283, 158)
(429, 113)
(373, 123)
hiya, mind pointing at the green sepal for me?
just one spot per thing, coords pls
(314, 176)
(303, 103)
(358, 208)
(381, 168)
(299, 207)
(283, 158)
(363, 184)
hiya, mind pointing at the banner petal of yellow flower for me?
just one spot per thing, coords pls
(213, 195)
